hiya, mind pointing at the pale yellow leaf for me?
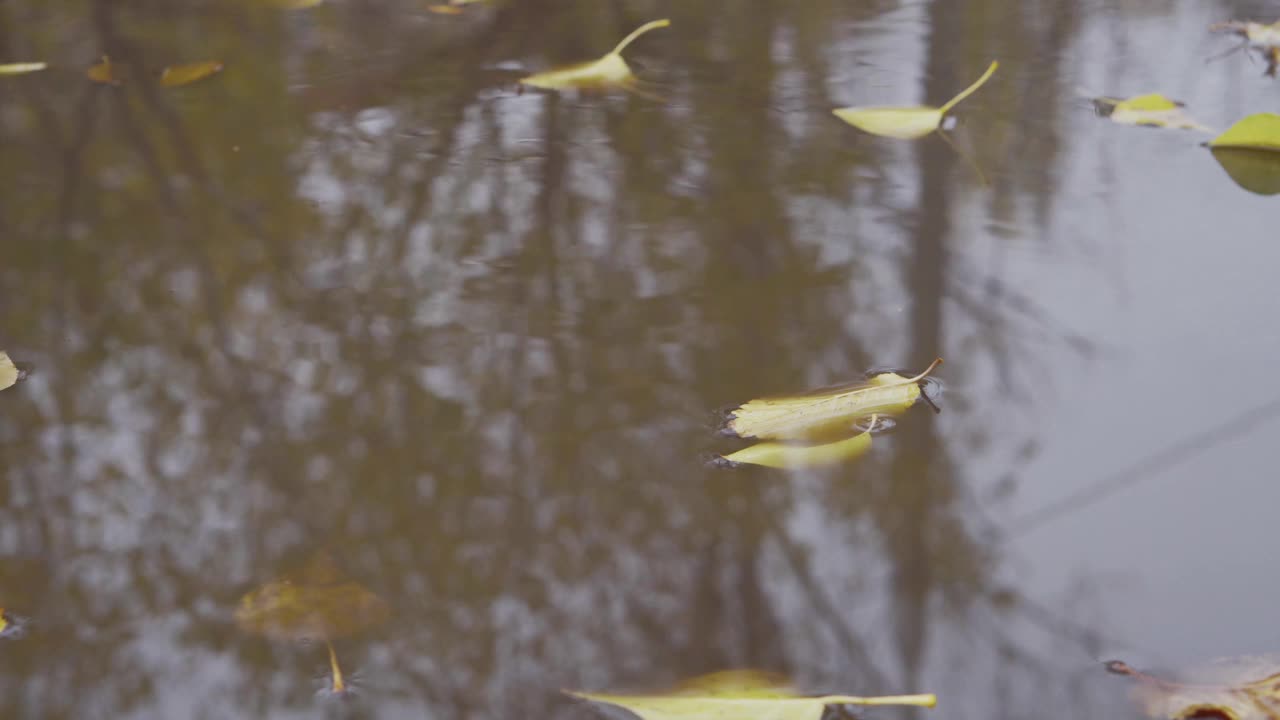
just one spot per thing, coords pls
(1257, 171)
(21, 67)
(609, 71)
(907, 123)
(1150, 110)
(9, 373)
(819, 414)
(724, 707)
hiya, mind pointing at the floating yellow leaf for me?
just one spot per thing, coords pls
(314, 603)
(1151, 110)
(907, 123)
(176, 75)
(296, 4)
(1232, 689)
(22, 67)
(1260, 131)
(732, 695)
(610, 70)
(10, 374)
(445, 9)
(103, 72)
(825, 412)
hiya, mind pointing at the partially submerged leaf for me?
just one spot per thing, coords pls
(295, 4)
(1257, 171)
(313, 604)
(21, 67)
(820, 414)
(10, 374)
(609, 71)
(103, 72)
(1150, 110)
(740, 694)
(1233, 689)
(907, 123)
(176, 75)
(1260, 131)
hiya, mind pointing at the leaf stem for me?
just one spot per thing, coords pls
(652, 25)
(970, 90)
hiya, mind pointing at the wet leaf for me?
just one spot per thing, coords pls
(104, 72)
(10, 374)
(1235, 689)
(745, 694)
(315, 603)
(1257, 171)
(176, 75)
(794, 456)
(1151, 110)
(1255, 132)
(453, 7)
(295, 4)
(609, 71)
(907, 123)
(11, 626)
(1257, 34)
(823, 413)
(21, 67)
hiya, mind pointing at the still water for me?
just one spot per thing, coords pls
(356, 294)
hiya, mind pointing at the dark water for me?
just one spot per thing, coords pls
(356, 294)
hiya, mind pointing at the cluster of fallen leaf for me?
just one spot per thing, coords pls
(823, 427)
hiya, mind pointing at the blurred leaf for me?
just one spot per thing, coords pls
(789, 456)
(1245, 688)
(176, 75)
(1257, 171)
(1258, 34)
(609, 71)
(740, 694)
(19, 68)
(1151, 110)
(1260, 131)
(295, 4)
(453, 7)
(10, 374)
(11, 626)
(907, 123)
(825, 412)
(314, 603)
(103, 72)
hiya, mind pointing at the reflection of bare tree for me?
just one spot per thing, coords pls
(466, 340)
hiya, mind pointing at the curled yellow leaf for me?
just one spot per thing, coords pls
(907, 123)
(176, 75)
(609, 71)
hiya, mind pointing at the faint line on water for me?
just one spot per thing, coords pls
(1169, 457)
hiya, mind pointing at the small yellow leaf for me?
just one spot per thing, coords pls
(1150, 110)
(296, 4)
(907, 123)
(786, 456)
(445, 9)
(610, 70)
(1260, 131)
(9, 373)
(176, 75)
(314, 603)
(103, 72)
(19, 68)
